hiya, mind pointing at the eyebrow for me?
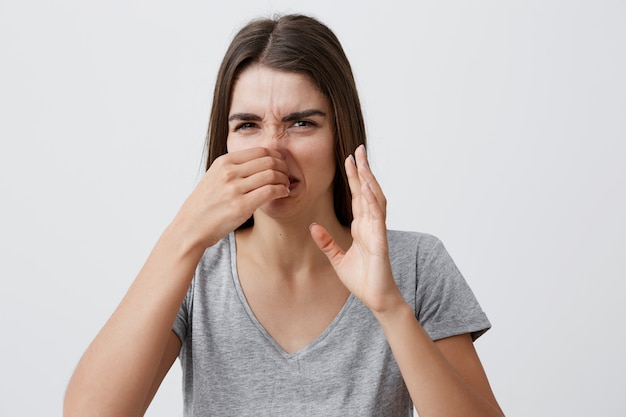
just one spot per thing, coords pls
(244, 116)
(303, 115)
(289, 118)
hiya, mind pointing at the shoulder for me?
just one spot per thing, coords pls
(420, 255)
(409, 253)
(415, 243)
(218, 256)
(213, 271)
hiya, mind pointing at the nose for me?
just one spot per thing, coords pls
(275, 139)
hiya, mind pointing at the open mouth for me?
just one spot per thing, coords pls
(293, 182)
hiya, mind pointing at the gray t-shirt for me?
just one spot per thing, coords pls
(233, 367)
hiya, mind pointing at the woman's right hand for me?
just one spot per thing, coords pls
(234, 186)
(134, 349)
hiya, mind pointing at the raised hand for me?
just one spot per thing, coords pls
(364, 268)
(234, 186)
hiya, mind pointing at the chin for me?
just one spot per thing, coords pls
(281, 208)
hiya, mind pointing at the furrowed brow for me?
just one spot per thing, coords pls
(244, 116)
(303, 115)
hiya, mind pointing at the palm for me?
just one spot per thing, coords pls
(364, 268)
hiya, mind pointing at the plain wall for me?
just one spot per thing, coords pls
(500, 127)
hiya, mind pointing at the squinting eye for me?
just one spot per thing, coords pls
(304, 123)
(244, 126)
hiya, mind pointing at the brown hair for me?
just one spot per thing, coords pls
(299, 44)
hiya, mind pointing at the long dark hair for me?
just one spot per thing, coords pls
(298, 44)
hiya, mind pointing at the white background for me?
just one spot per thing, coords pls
(498, 126)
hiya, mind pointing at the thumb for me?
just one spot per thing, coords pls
(327, 244)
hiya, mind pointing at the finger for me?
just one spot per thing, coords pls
(374, 208)
(254, 199)
(327, 244)
(264, 163)
(366, 176)
(246, 170)
(245, 155)
(355, 185)
(364, 170)
(261, 179)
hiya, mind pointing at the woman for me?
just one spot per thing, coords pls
(277, 281)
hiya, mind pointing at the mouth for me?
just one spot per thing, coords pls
(293, 182)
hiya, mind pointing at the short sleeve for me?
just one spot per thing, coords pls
(445, 304)
(183, 318)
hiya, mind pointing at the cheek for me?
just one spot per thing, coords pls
(324, 159)
(234, 145)
(330, 156)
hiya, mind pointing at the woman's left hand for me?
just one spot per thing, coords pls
(364, 268)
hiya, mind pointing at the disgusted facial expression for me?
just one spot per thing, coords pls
(287, 112)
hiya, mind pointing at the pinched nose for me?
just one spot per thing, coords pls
(275, 139)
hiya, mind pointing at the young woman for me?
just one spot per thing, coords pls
(277, 283)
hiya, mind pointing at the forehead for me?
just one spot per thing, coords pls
(260, 89)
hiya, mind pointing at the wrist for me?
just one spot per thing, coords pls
(185, 238)
(394, 313)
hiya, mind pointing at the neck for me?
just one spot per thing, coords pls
(288, 246)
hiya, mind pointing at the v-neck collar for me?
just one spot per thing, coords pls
(244, 302)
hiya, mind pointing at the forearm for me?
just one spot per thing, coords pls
(436, 388)
(116, 372)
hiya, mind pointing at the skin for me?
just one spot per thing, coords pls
(287, 114)
(279, 168)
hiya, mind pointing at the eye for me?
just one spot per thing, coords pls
(244, 126)
(304, 123)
